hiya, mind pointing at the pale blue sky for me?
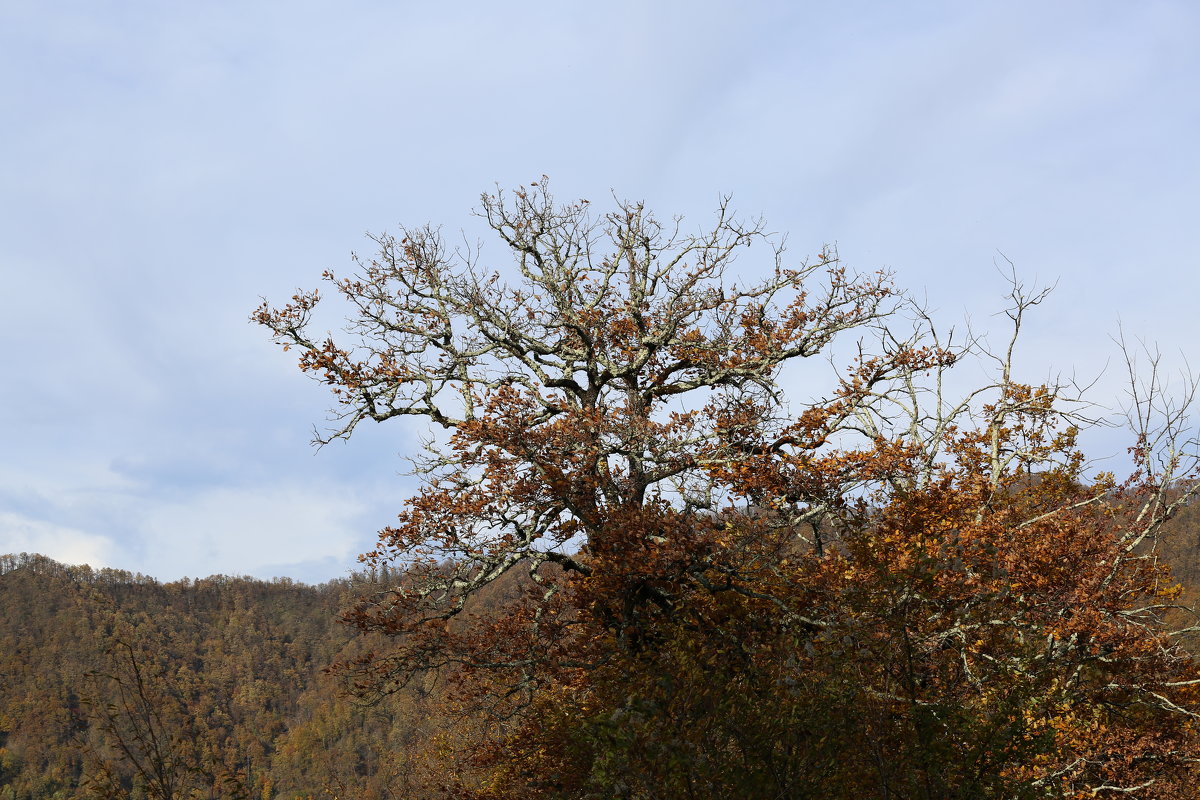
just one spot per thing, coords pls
(165, 164)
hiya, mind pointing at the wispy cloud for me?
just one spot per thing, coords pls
(166, 164)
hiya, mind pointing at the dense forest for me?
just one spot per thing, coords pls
(234, 698)
(116, 685)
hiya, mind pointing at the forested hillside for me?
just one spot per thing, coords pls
(115, 685)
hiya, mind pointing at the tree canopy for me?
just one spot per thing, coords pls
(653, 573)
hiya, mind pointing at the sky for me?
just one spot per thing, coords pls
(166, 165)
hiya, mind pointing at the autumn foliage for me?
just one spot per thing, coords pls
(648, 573)
(118, 687)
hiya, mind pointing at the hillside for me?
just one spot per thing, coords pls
(117, 685)
(215, 685)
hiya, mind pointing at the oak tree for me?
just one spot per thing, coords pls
(899, 593)
(600, 403)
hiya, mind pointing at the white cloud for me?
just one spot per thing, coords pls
(251, 529)
(21, 534)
